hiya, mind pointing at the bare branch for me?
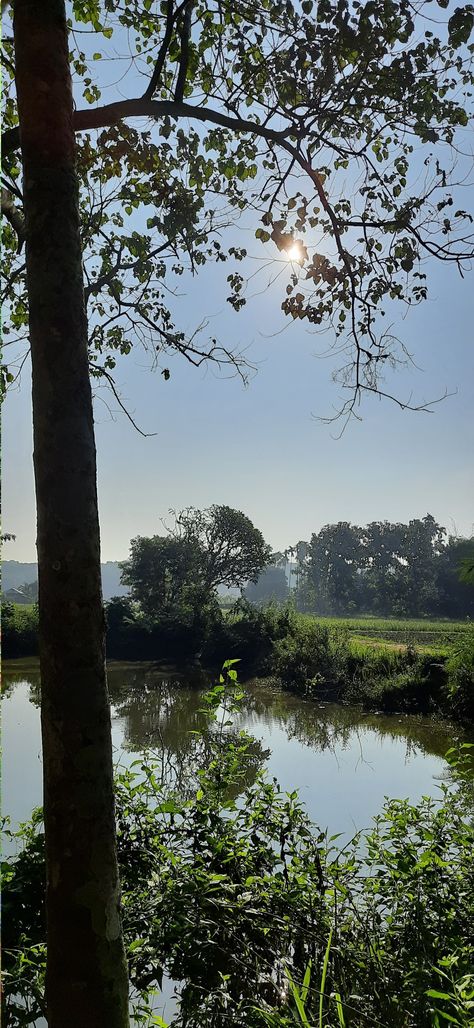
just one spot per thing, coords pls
(100, 372)
(185, 35)
(155, 78)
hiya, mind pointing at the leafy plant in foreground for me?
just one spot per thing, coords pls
(263, 919)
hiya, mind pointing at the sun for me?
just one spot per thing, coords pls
(294, 252)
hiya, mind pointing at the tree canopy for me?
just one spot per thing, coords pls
(340, 125)
(161, 571)
(386, 569)
(205, 549)
(233, 550)
(271, 585)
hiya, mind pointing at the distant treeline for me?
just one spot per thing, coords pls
(387, 569)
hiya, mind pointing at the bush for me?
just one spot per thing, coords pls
(19, 630)
(180, 634)
(250, 633)
(460, 668)
(311, 655)
(237, 900)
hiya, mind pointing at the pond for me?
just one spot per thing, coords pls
(343, 762)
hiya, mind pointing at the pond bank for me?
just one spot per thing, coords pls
(314, 658)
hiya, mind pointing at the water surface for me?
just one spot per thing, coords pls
(344, 762)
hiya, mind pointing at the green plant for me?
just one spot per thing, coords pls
(460, 668)
(310, 654)
(260, 916)
(19, 630)
(454, 997)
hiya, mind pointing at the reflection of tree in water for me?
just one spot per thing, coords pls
(325, 726)
(24, 672)
(161, 711)
(164, 714)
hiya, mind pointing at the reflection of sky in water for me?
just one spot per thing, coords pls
(342, 785)
(342, 789)
(343, 763)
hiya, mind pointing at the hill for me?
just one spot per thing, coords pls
(15, 573)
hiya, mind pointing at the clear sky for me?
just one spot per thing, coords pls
(261, 448)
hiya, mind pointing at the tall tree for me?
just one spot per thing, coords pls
(86, 971)
(454, 578)
(233, 550)
(241, 99)
(383, 550)
(332, 568)
(424, 542)
(205, 549)
(271, 584)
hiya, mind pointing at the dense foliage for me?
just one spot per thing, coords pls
(261, 918)
(205, 549)
(19, 630)
(271, 586)
(398, 570)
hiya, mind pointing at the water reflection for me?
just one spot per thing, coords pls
(343, 761)
(165, 715)
(333, 726)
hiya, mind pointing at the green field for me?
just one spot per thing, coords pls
(426, 635)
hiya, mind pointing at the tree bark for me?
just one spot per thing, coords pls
(86, 984)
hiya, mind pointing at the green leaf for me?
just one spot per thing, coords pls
(460, 25)
(340, 1010)
(323, 979)
(306, 981)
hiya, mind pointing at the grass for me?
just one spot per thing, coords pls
(364, 660)
(388, 664)
(433, 648)
(429, 636)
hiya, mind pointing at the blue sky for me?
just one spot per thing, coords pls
(261, 448)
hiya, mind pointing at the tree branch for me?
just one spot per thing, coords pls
(14, 216)
(100, 372)
(160, 61)
(185, 35)
(143, 107)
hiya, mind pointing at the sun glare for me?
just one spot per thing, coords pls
(294, 252)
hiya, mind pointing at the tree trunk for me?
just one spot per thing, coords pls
(86, 983)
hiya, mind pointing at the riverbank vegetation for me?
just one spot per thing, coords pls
(413, 666)
(175, 614)
(262, 919)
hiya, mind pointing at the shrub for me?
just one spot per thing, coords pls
(19, 630)
(235, 900)
(460, 669)
(179, 634)
(250, 633)
(311, 655)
